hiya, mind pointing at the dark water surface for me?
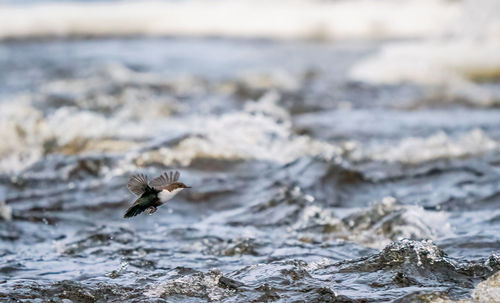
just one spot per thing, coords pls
(307, 187)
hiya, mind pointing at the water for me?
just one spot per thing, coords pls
(307, 186)
(358, 170)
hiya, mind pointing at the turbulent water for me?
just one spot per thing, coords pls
(307, 186)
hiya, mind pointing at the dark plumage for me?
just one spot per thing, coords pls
(152, 194)
(149, 198)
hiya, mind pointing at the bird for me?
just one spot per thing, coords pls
(153, 194)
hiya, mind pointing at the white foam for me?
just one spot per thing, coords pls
(488, 291)
(240, 136)
(438, 146)
(315, 215)
(405, 221)
(196, 285)
(468, 49)
(26, 130)
(21, 126)
(80, 126)
(375, 226)
(5, 211)
(263, 132)
(229, 18)
(430, 62)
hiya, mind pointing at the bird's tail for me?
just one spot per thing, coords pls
(134, 210)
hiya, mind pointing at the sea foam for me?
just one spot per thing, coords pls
(239, 19)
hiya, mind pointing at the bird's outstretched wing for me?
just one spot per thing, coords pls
(165, 179)
(138, 184)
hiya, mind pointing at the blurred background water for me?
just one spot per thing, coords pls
(339, 151)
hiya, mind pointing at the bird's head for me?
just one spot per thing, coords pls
(177, 185)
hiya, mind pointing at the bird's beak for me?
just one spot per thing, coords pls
(188, 186)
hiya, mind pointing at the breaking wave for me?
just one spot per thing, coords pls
(435, 147)
(238, 19)
(457, 61)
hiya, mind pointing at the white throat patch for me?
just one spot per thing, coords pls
(166, 195)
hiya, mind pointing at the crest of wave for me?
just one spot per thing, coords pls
(388, 221)
(28, 134)
(195, 284)
(437, 146)
(376, 226)
(21, 126)
(262, 131)
(468, 51)
(229, 18)
(5, 210)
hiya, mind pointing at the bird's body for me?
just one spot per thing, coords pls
(153, 194)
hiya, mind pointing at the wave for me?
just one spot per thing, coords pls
(191, 283)
(431, 62)
(416, 150)
(78, 121)
(240, 19)
(310, 222)
(458, 61)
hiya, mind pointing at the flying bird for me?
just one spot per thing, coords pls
(153, 194)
